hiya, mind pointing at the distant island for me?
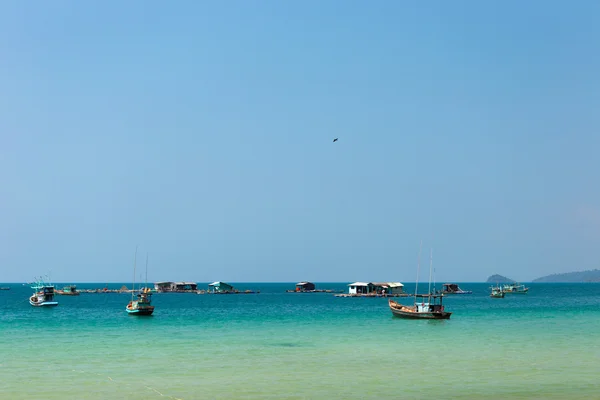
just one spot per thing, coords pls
(568, 277)
(499, 279)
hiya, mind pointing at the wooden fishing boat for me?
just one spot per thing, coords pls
(497, 292)
(452, 288)
(143, 304)
(430, 307)
(43, 295)
(515, 288)
(426, 306)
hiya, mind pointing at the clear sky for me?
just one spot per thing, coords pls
(202, 132)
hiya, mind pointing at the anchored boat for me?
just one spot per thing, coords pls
(426, 306)
(452, 288)
(43, 295)
(515, 288)
(497, 292)
(143, 304)
(430, 307)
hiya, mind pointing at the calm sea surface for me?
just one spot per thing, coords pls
(543, 345)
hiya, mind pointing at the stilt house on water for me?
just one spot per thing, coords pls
(220, 287)
(374, 288)
(175, 286)
(305, 286)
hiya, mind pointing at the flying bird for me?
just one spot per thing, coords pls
(335, 140)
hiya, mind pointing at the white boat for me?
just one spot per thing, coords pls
(43, 295)
(515, 288)
(497, 292)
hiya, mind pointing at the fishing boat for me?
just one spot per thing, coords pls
(43, 295)
(452, 288)
(497, 292)
(5, 288)
(430, 307)
(143, 304)
(426, 306)
(70, 290)
(515, 288)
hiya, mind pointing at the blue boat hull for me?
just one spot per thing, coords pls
(145, 311)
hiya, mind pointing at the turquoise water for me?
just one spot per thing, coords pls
(543, 345)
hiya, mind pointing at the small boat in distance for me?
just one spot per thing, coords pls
(143, 304)
(43, 295)
(5, 288)
(428, 307)
(452, 288)
(515, 288)
(497, 292)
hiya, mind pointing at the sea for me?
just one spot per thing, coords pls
(278, 345)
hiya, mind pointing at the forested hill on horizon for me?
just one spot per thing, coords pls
(580, 276)
(499, 279)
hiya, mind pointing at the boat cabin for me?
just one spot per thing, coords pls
(429, 303)
(305, 286)
(220, 287)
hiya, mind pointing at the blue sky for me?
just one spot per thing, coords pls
(202, 132)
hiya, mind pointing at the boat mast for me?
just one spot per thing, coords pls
(418, 268)
(134, 261)
(146, 284)
(430, 270)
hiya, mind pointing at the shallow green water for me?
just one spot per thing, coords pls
(543, 345)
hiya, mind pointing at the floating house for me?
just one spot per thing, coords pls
(360, 288)
(373, 288)
(162, 287)
(388, 287)
(185, 286)
(220, 287)
(305, 286)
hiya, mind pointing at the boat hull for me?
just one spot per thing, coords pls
(421, 315)
(44, 303)
(400, 311)
(138, 311)
(461, 292)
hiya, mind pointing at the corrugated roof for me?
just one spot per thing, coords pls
(358, 284)
(395, 284)
(219, 283)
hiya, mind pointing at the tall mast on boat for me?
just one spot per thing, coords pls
(418, 268)
(134, 262)
(146, 284)
(430, 270)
